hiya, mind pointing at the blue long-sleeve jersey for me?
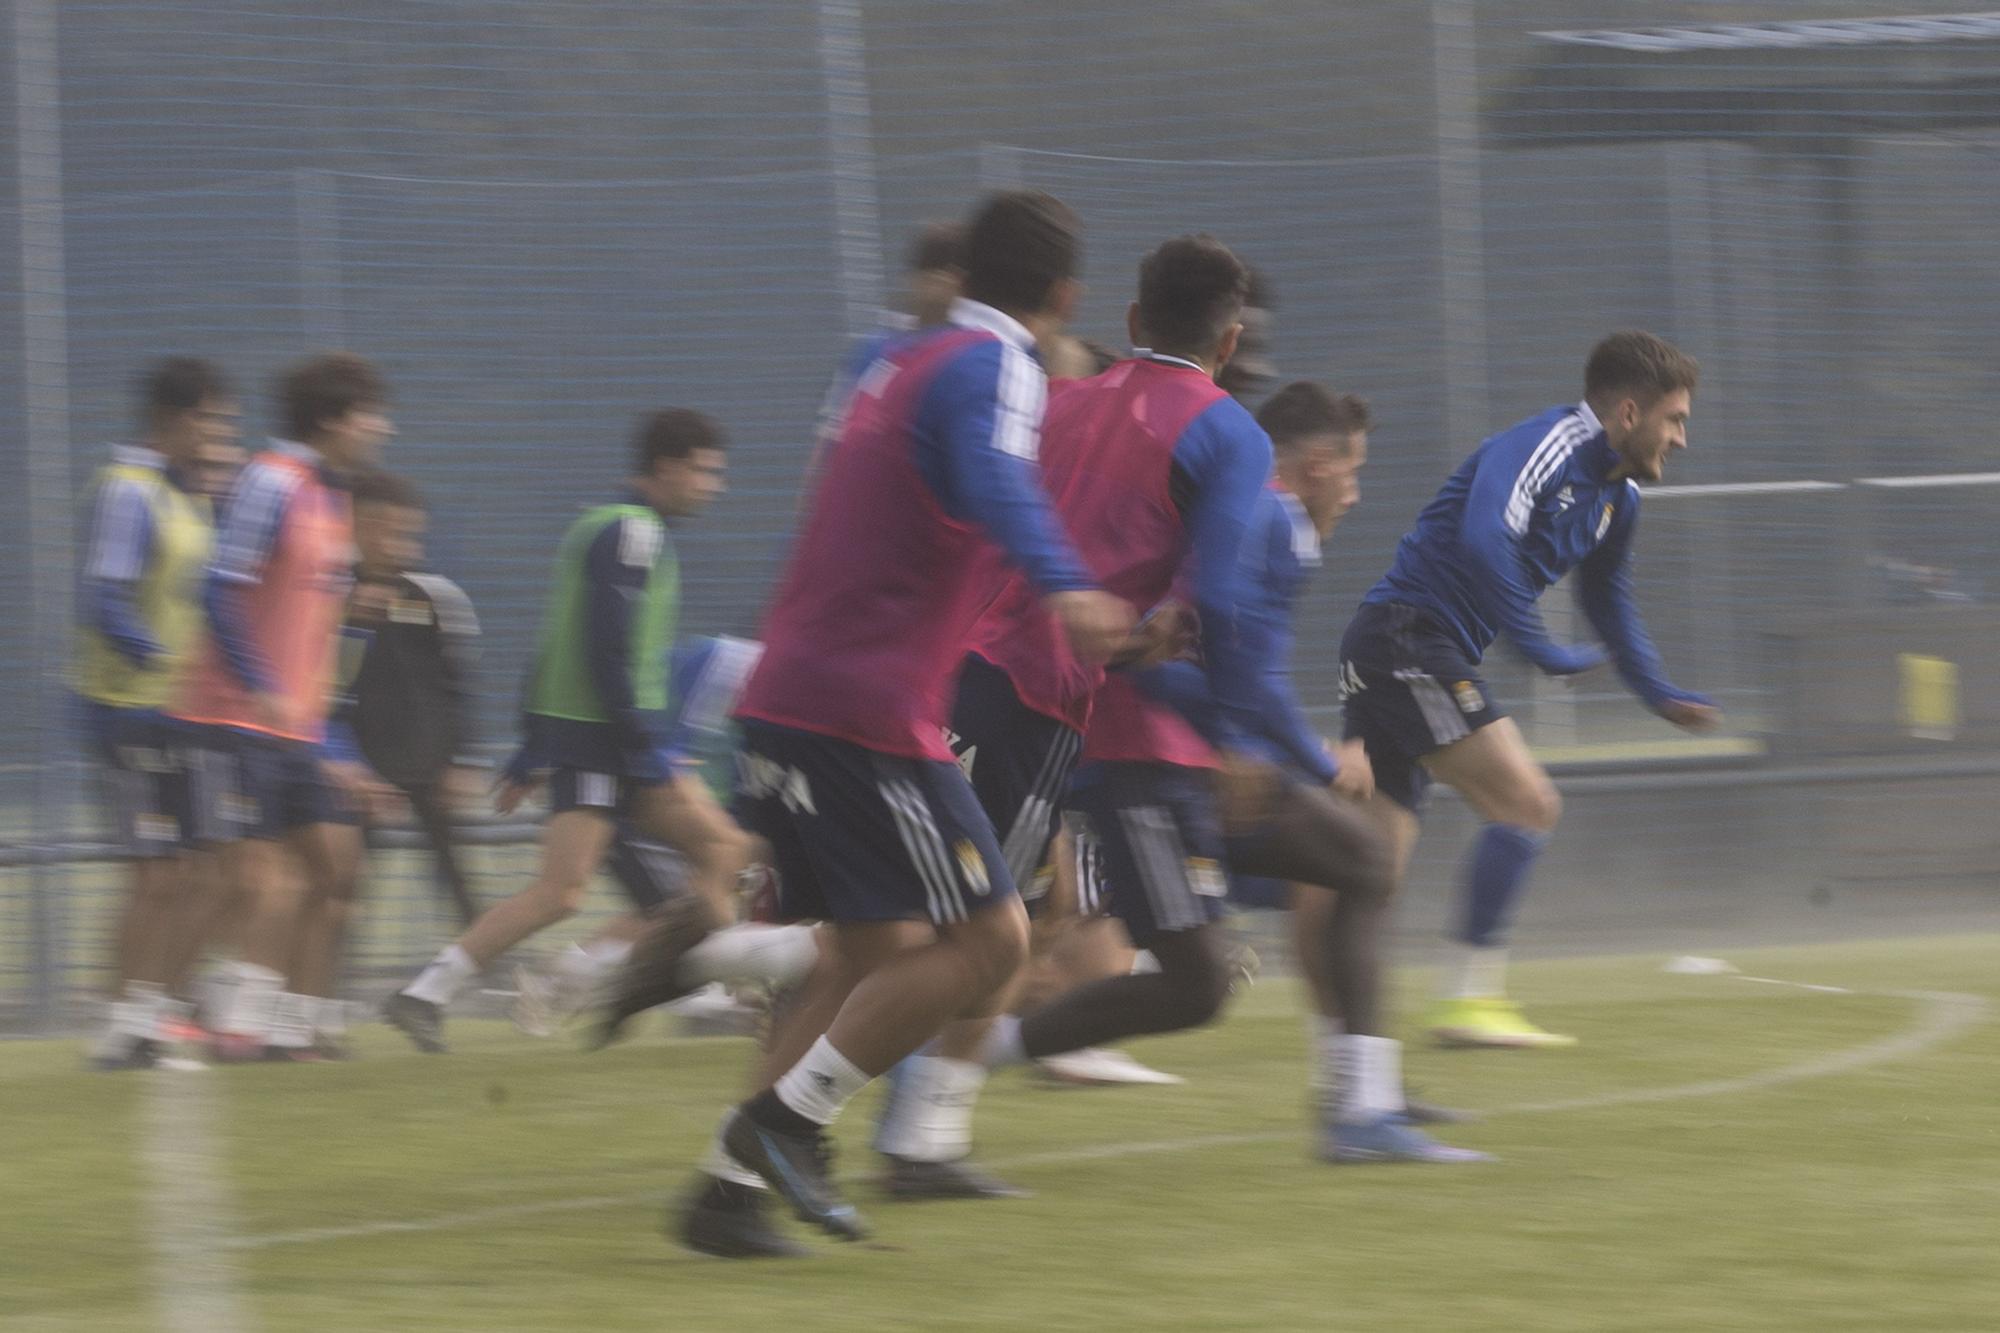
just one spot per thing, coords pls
(1279, 553)
(1529, 505)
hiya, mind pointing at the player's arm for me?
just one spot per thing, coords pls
(121, 542)
(1604, 591)
(1497, 509)
(986, 411)
(1265, 629)
(458, 654)
(1221, 465)
(615, 571)
(250, 526)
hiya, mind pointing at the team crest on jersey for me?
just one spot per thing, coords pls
(973, 865)
(1205, 877)
(1469, 699)
(1565, 498)
(1604, 521)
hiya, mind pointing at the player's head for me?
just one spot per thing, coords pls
(678, 460)
(1022, 250)
(389, 522)
(186, 408)
(338, 403)
(216, 465)
(1251, 371)
(1642, 389)
(1320, 441)
(1190, 302)
(936, 268)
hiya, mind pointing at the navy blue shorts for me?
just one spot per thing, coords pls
(145, 776)
(1407, 690)
(858, 835)
(1159, 838)
(1018, 761)
(609, 794)
(248, 785)
(649, 872)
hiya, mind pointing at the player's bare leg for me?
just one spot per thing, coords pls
(573, 846)
(1501, 780)
(333, 855)
(272, 882)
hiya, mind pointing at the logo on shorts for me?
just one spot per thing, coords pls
(1468, 696)
(973, 865)
(1205, 877)
(1351, 683)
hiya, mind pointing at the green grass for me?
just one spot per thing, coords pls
(1868, 1199)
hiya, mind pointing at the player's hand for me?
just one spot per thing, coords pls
(509, 792)
(270, 710)
(374, 798)
(1246, 789)
(1356, 778)
(1691, 716)
(1163, 636)
(1096, 622)
(463, 785)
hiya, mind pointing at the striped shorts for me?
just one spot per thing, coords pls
(858, 835)
(1407, 690)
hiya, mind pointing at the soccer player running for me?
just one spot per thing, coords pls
(1558, 492)
(596, 711)
(844, 769)
(149, 541)
(286, 805)
(413, 639)
(1150, 464)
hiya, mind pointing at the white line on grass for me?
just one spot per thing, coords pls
(195, 1275)
(1945, 1015)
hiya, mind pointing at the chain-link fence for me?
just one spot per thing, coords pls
(545, 217)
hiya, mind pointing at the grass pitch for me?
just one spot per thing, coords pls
(1718, 1154)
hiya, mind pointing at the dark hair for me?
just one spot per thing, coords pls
(376, 487)
(1303, 409)
(1018, 246)
(937, 245)
(325, 387)
(1191, 290)
(179, 384)
(1637, 365)
(673, 432)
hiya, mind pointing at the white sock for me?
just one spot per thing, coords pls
(446, 976)
(1003, 1044)
(721, 1164)
(1368, 1078)
(779, 956)
(141, 1009)
(291, 1021)
(936, 1123)
(821, 1083)
(251, 1003)
(1477, 973)
(588, 962)
(329, 1016)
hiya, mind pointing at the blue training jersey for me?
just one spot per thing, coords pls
(1528, 506)
(1279, 554)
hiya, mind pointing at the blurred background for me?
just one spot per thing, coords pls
(543, 217)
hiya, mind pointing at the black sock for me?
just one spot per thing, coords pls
(765, 1109)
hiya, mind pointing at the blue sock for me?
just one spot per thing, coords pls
(1501, 859)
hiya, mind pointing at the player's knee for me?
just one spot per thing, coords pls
(1199, 974)
(999, 948)
(1541, 807)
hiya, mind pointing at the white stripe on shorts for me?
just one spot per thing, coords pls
(1441, 714)
(903, 803)
(1162, 864)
